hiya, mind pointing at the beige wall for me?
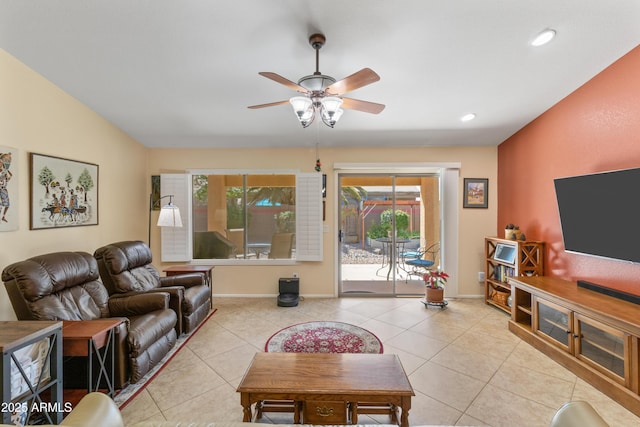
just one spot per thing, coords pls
(36, 116)
(320, 278)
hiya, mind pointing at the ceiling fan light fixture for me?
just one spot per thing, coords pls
(544, 37)
(303, 108)
(331, 103)
(337, 114)
(330, 119)
(300, 104)
(330, 110)
(322, 94)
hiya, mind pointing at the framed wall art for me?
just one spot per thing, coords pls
(476, 193)
(64, 193)
(155, 192)
(8, 188)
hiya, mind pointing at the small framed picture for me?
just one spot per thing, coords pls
(476, 193)
(155, 192)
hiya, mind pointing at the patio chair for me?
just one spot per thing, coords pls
(281, 246)
(427, 258)
(236, 236)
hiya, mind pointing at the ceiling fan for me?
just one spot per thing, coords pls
(322, 94)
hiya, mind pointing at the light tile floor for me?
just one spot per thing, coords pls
(465, 367)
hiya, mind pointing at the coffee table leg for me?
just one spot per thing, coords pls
(354, 412)
(246, 407)
(297, 407)
(393, 413)
(405, 405)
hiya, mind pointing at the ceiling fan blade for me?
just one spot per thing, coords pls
(365, 106)
(354, 81)
(272, 104)
(279, 79)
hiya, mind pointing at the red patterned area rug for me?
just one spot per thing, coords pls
(323, 337)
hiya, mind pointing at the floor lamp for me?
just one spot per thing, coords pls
(169, 214)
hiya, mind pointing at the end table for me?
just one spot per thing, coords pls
(86, 338)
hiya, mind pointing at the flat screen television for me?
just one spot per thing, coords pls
(600, 214)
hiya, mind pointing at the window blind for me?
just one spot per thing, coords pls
(175, 240)
(309, 217)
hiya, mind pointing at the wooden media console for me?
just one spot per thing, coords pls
(595, 336)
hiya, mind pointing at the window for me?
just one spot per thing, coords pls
(243, 216)
(248, 216)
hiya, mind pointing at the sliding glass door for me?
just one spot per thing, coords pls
(387, 221)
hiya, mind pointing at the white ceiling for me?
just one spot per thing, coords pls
(176, 73)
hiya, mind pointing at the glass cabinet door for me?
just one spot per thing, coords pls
(553, 323)
(602, 347)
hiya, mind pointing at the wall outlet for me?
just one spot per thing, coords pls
(481, 276)
(294, 275)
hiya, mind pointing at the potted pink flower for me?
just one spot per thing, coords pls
(434, 281)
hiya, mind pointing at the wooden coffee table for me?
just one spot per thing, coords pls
(328, 388)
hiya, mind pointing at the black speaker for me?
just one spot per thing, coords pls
(608, 291)
(289, 289)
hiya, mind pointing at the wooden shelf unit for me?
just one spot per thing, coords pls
(595, 336)
(529, 261)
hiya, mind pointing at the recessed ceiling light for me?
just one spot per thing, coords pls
(468, 117)
(544, 37)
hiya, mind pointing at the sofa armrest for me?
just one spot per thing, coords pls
(95, 410)
(187, 280)
(176, 298)
(577, 414)
(137, 304)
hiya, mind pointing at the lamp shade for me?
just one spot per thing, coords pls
(300, 104)
(333, 117)
(169, 216)
(331, 104)
(331, 110)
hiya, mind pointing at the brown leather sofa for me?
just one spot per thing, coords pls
(67, 286)
(126, 269)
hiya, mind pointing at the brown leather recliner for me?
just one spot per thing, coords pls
(126, 269)
(67, 286)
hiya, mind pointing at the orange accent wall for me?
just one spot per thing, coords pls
(594, 129)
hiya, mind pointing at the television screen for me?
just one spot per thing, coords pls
(600, 214)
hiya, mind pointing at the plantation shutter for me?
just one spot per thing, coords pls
(175, 240)
(309, 217)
